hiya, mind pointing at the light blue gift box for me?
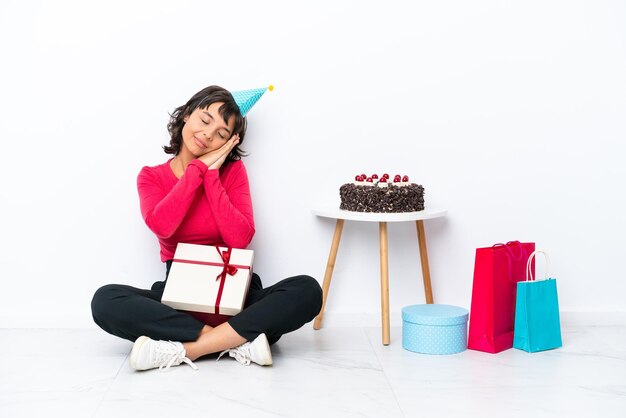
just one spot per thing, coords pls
(434, 329)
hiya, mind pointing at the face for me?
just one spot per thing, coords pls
(205, 130)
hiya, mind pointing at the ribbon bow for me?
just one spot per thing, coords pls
(228, 268)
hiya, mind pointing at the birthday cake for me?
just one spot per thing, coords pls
(380, 195)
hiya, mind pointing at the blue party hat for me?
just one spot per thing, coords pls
(247, 98)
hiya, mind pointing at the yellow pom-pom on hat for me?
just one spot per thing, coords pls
(247, 98)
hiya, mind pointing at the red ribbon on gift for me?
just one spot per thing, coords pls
(228, 269)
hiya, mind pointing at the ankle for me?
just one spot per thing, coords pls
(190, 351)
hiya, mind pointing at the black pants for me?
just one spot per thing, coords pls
(129, 312)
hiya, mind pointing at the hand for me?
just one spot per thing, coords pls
(214, 159)
(216, 165)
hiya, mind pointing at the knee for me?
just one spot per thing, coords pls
(101, 301)
(311, 288)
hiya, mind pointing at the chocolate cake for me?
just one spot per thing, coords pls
(370, 194)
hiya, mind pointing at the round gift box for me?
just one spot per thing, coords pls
(434, 329)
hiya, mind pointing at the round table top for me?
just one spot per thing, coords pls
(336, 213)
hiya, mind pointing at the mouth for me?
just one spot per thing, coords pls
(199, 143)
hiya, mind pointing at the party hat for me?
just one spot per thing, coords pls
(247, 98)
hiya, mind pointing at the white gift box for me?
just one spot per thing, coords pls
(203, 279)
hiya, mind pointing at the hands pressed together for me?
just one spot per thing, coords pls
(214, 159)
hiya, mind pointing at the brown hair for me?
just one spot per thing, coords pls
(202, 100)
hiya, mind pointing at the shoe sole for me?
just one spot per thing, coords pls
(267, 360)
(136, 348)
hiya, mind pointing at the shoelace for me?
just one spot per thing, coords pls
(240, 353)
(167, 355)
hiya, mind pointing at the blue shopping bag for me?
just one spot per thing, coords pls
(537, 321)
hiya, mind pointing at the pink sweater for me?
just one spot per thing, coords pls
(202, 207)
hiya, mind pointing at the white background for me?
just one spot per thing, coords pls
(510, 113)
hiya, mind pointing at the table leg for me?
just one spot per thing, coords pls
(421, 237)
(317, 324)
(384, 281)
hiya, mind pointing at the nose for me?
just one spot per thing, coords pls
(209, 133)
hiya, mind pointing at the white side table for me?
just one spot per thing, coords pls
(382, 219)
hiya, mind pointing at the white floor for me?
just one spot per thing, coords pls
(334, 372)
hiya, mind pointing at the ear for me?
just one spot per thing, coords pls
(186, 118)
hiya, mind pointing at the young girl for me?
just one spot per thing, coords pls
(202, 196)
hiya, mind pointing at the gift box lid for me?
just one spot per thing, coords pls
(434, 314)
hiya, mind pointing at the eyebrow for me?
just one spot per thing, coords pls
(211, 116)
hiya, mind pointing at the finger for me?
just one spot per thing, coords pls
(225, 146)
(228, 145)
(219, 162)
(233, 142)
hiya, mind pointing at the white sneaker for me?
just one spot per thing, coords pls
(149, 354)
(257, 351)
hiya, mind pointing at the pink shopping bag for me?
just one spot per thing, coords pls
(497, 270)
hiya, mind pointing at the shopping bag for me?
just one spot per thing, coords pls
(537, 320)
(497, 270)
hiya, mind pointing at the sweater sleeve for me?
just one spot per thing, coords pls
(163, 212)
(232, 205)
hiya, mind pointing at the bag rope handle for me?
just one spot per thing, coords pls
(508, 247)
(529, 273)
(509, 254)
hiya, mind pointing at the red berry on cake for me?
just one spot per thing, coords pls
(357, 178)
(405, 179)
(383, 180)
(386, 175)
(370, 179)
(397, 178)
(374, 176)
